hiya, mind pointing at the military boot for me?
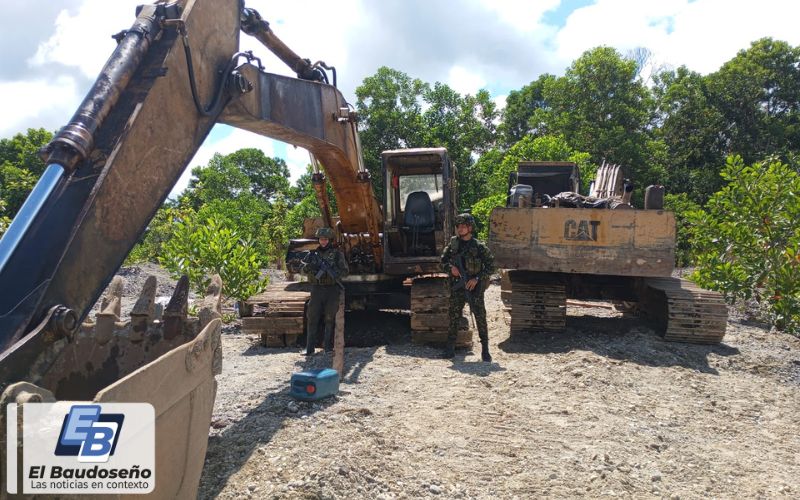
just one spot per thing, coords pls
(485, 356)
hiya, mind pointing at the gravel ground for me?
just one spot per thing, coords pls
(605, 409)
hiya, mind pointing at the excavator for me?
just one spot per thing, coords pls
(175, 73)
(554, 244)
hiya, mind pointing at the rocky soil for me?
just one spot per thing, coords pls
(605, 409)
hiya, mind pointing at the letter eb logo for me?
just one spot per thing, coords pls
(88, 434)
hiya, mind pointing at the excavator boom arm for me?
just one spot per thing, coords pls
(115, 163)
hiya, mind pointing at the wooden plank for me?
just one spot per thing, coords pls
(338, 339)
(259, 323)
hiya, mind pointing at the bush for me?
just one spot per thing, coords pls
(4, 220)
(201, 248)
(747, 243)
(483, 209)
(158, 233)
(681, 205)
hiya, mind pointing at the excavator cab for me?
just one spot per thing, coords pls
(419, 207)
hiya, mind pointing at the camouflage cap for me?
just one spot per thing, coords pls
(465, 219)
(324, 232)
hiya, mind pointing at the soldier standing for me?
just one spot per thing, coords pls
(469, 263)
(324, 267)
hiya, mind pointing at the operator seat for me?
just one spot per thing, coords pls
(419, 218)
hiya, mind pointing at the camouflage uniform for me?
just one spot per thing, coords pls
(325, 292)
(478, 262)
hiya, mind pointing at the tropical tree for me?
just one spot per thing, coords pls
(758, 93)
(20, 168)
(389, 105)
(600, 106)
(692, 130)
(520, 110)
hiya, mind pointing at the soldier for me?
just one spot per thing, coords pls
(469, 264)
(324, 267)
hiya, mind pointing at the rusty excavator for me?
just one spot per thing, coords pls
(173, 75)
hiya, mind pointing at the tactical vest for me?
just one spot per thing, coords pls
(470, 251)
(329, 255)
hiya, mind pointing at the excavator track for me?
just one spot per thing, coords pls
(505, 289)
(684, 312)
(537, 306)
(280, 314)
(429, 313)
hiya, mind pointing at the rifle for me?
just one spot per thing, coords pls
(325, 268)
(463, 278)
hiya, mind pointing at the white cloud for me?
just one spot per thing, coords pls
(83, 40)
(497, 44)
(43, 99)
(297, 159)
(701, 35)
(523, 15)
(465, 81)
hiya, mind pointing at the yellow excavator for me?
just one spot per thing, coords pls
(175, 74)
(555, 244)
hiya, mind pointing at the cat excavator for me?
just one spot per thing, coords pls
(175, 74)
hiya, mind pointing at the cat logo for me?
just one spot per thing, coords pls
(585, 230)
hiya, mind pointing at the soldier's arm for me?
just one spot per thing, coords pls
(447, 258)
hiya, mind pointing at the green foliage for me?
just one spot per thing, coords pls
(389, 105)
(158, 232)
(397, 111)
(748, 241)
(521, 106)
(22, 150)
(691, 132)
(482, 210)
(465, 126)
(20, 168)
(758, 92)
(275, 232)
(307, 208)
(246, 172)
(4, 220)
(681, 206)
(201, 248)
(545, 148)
(480, 174)
(601, 107)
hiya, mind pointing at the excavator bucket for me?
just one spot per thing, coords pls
(167, 359)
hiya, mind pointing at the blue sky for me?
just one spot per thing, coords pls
(52, 50)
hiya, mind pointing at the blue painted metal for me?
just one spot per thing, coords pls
(313, 385)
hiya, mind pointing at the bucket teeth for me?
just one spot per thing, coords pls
(143, 312)
(146, 320)
(112, 301)
(211, 307)
(177, 310)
